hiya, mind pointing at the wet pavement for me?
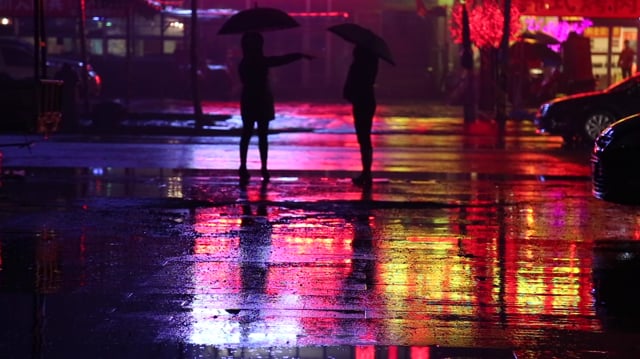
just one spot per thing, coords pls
(118, 245)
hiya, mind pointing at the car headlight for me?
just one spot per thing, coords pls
(604, 139)
(542, 111)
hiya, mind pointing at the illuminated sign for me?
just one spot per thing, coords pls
(586, 8)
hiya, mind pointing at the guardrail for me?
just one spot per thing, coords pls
(30, 108)
(49, 106)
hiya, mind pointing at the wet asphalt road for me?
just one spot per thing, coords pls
(145, 246)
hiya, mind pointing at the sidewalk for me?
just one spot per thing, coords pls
(176, 117)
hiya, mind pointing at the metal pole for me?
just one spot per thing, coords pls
(328, 67)
(43, 40)
(306, 43)
(82, 6)
(36, 39)
(129, 54)
(445, 40)
(501, 109)
(609, 54)
(195, 88)
(466, 60)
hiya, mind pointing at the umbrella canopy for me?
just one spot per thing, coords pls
(257, 19)
(524, 52)
(539, 37)
(364, 37)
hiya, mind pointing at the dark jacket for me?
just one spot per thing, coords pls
(256, 99)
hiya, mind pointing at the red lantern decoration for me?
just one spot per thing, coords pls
(486, 21)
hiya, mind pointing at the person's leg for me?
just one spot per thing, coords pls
(263, 143)
(366, 149)
(245, 138)
(363, 120)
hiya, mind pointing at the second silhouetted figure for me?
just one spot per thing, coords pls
(359, 91)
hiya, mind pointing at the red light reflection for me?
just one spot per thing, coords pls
(247, 260)
(484, 265)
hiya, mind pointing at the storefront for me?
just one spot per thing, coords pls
(115, 31)
(609, 24)
(607, 39)
(421, 43)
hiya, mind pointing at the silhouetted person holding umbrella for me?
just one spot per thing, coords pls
(359, 91)
(256, 101)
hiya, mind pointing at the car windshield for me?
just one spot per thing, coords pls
(624, 84)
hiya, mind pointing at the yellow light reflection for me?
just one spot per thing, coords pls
(174, 187)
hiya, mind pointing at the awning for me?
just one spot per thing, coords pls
(70, 8)
(616, 9)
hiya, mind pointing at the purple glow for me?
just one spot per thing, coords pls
(560, 29)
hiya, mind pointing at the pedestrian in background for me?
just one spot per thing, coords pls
(256, 99)
(359, 91)
(625, 59)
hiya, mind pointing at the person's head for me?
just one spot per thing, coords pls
(626, 43)
(252, 43)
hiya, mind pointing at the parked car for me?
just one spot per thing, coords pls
(17, 63)
(615, 175)
(615, 268)
(18, 89)
(580, 118)
(162, 76)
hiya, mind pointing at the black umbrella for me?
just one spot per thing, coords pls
(522, 51)
(258, 19)
(364, 37)
(539, 37)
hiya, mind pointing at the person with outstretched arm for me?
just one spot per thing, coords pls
(256, 99)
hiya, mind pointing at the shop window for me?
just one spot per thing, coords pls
(96, 47)
(169, 46)
(117, 47)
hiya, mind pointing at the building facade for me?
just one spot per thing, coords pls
(417, 32)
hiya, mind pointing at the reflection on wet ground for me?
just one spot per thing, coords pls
(458, 250)
(176, 263)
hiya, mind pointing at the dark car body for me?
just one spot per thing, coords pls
(614, 162)
(22, 96)
(162, 76)
(615, 268)
(17, 63)
(581, 117)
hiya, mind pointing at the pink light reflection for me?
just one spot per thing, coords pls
(303, 259)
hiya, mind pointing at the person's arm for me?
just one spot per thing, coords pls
(273, 61)
(620, 56)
